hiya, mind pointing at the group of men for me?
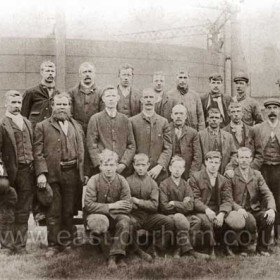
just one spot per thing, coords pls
(163, 161)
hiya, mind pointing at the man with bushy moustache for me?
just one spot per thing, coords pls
(16, 141)
(59, 159)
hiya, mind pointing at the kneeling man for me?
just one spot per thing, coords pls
(107, 205)
(250, 191)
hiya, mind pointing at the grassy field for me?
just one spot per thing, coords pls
(86, 262)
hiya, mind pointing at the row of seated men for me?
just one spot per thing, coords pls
(208, 207)
(59, 149)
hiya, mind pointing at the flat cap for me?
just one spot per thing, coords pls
(216, 77)
(235, 220)
(272, 101)
(241, 76)
(98, 223)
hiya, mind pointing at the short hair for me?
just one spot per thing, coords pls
(213, 154)
(87, 64)
(244, 149)
(61, 95)
(46, 63)
(214, 111)
(150, 90)
(234, 105)
(125, 67)
(177, 158)
(108, 155)
(216, 77)
(179, 106)
(158, 73)
(12, 93)
(141, 156)
(183, 71)
(106, 88)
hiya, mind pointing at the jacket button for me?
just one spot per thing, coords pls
(58, 140)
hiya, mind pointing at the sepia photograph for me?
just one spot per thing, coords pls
(139, 139)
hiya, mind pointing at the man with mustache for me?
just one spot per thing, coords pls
(185, 141)
(251, 108)
(265, 143)
(36, 104)
(86, 96)
(59, 160)
(182, 94)
(152, 136)
(216, 99)
(129, 103)
(112, 130)
(16, 141)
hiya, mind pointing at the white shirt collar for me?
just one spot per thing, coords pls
(17, 119)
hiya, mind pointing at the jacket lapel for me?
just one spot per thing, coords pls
(28, 125)
(11, 134)
(55, 124)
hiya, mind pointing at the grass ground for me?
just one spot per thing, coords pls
(86, 262)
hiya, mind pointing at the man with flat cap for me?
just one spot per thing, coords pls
(251, 108)
(182, 94)
(216, 99)
(265, 143)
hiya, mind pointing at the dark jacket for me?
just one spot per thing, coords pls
(153, 138)
(225, 102)
(246, 130)
(8, 149)
(99, 193)
(164, 107)
(116, 135)
(229, 150)
(202, 189)
(259, 137)
(190, 148)
(85, 105)
(169, 191)
(257, 188)
(135, 104)
(47, 149)
(192, 102)
(146, 190)
(36, 104)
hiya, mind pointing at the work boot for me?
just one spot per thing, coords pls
(153, 252)
(122, 263)
(143, 255)
(177, 253)
(228, 252)
(21, 251)
(6, 252)
(212, 253)
(112, 266)
(198, 255)
(51, 251)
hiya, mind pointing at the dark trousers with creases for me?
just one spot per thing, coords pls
(59, 216)
(25, 187)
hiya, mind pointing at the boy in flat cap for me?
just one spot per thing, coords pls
(216, 99)
(251, 108)
(8, 200)
(265, 143)
(249, 190)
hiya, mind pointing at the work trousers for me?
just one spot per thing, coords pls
(59, 216)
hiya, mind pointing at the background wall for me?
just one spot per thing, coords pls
(20, 61)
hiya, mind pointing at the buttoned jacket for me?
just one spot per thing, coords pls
(8, 148)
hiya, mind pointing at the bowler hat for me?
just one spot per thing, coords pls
(235, 220)
(45, 195)
(272, 101)
(241, 76)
